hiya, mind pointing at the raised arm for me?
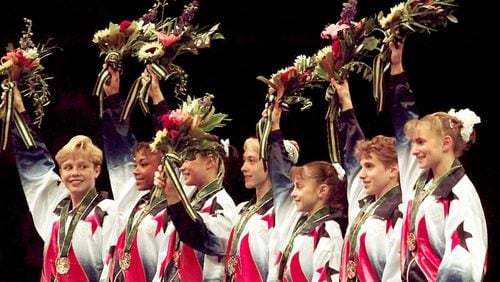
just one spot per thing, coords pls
(403, 108)
(349, 132)
(279, 166)
(36, 167)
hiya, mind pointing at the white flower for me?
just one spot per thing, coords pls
(160, 135)
(31, 53)
(100, 35)
(148, 29)
(395, 11)
(150, 51)
(468, 118)
(302, 62)
(322, 53)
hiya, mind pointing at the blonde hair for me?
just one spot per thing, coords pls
(80, 144)
(443, 124)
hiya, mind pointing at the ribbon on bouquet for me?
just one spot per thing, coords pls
(8, 114)
(167, 162)
(112, 59)
(331, 114)
(264, 126)
(138, 93)
(379, 67)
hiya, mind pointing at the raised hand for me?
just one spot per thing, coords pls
(112, 86)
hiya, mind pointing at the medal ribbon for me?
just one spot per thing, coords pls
(363, 214)
(420, 194)
(247, 214)
(66, 237)
(131, 228)
(318, 216)
(206, 192)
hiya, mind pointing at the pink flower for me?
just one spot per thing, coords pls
(167, 122)
(178, 117)
(331, 31)
(166, 39)
(20, 59)
(124, 25)
(174, 134)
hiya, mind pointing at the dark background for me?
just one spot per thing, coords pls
(446, 69)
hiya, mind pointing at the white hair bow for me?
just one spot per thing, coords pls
(225, 144)
(468, 118)
(340, 170)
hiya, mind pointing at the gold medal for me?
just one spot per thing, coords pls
(351, 269)
(411, 242)
(125, 261)
(231, 264)
(62, 265)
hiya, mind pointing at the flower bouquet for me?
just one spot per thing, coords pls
(171, 38)
(185, 133)
(286, 87)
(22, 66)
(412, 16)
(352, 43)
(115, 43)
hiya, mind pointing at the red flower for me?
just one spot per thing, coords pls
(165, 39)
(287, 75)
(124, 25)
(174, 134)
(337, 49)
(167, 122)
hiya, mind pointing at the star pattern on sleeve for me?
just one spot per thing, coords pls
(459, 236)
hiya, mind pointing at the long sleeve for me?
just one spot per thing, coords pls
(285, 212)
(279, 167)
(118, 142)
(41, 185)
(208, 235)
(403, 108)
(349, 134)
(44, 193)
(204, 242)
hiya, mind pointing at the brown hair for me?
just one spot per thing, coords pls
(80, 144)
(324, 173)
(145, 148)
(383, 147)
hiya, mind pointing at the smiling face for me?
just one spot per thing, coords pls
(427, 146)
(308, 194)
(199, 170)
(377, 178)
(379, 164)
(79, 165)
(78, 174)
(253, 167)
(145, 165)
